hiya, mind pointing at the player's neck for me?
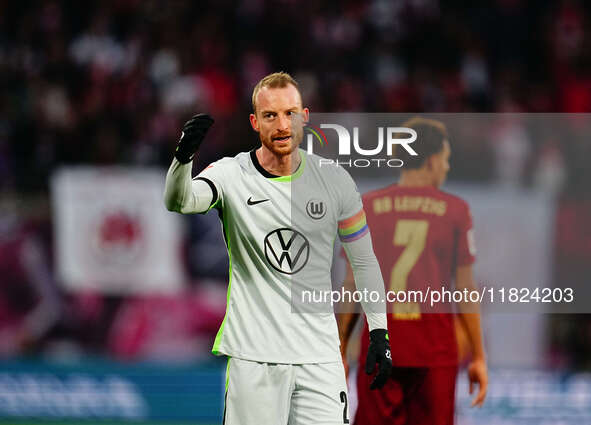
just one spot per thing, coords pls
(279, 165)
(415, 178)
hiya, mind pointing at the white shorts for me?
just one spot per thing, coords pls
(285, 394)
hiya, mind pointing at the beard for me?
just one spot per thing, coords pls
(276, 144)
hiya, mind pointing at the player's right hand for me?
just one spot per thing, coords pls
(194, 132)
(379, 352)
(478, 374)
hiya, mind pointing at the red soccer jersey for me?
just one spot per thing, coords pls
(420, 236)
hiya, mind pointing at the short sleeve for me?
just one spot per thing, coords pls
(465, 248)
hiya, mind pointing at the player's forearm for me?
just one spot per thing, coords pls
(368, 279)
(470, 318)
(471, 322)
(184, 195)
(470, 312)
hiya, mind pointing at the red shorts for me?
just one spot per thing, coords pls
(413, 396)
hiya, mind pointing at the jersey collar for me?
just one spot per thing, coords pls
(273, 177)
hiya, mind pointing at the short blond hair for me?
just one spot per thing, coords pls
(273, 81)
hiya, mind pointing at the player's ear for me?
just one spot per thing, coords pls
(254, 123)
(305, 114)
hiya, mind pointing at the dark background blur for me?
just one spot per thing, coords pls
(111, 83)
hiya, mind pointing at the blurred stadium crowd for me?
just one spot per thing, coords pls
(111, 82)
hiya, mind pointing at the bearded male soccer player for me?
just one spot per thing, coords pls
(283, 367)
(421, 236)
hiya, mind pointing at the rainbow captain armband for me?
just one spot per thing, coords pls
(353, 228)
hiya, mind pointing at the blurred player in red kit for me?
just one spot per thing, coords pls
(422, 237)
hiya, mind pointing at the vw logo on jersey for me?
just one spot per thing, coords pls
(316, 209)
(287, 250)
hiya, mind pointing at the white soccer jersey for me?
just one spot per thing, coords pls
(280, 233)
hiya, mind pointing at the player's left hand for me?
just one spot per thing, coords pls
(379, 352)
(478, 374)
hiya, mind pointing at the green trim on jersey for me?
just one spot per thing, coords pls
(227, 373)
(215, 204)
(218, 337)
(295, 175)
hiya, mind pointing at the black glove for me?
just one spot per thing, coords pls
(379, 352)
(193, 134)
